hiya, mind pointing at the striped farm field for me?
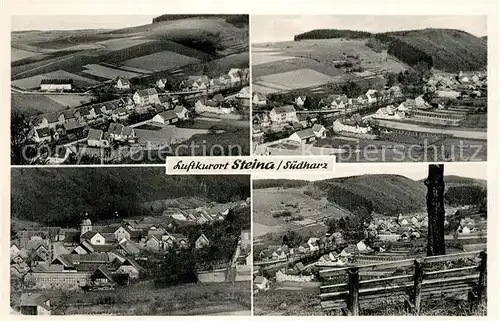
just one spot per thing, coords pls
(300, 78)
(163, 60)
(108, 73)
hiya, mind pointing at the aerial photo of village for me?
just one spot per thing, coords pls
(150, 87)
(365, 90)
(129, 242)
(371, 240)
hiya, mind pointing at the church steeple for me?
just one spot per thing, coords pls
(86, 225)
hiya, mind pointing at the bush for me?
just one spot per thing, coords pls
(282, 214)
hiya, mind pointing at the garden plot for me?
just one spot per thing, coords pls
(34, 81)
(108, 73)
(163, 60)
(300, 78)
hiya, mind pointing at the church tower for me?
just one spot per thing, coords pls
(86, 225)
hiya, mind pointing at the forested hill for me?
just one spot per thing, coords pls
(59, 196)
(444, 49)
(386, 193)
(382, 193)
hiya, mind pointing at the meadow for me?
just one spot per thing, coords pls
(106, 72)
(162, 60)
(34, 104)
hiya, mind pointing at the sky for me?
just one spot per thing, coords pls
(415, 171)
(271, 28)
(72, 22)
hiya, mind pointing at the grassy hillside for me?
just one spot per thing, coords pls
(445, 49)
(60, 195)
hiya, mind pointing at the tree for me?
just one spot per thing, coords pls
(19, 137)
(435, 210)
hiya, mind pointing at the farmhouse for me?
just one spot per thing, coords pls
(234, 75)
(319, 130)
(122, 83)
(97, 138)
(166, 117)
(211, 106)
(120, 132)
(181, 112)
(35, 304)
(303, 136)
(56, 84)
(261, 283)
(259, 99)
(161, 83)
(284, 114)
(146, 97)
(42, 135)
(299, 101)
(201, 242)
(72, 127)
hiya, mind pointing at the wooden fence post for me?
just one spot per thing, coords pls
(353, 296)
(482, 284)
(417, 287)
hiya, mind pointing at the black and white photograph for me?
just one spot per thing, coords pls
(115, 89)
(372, 240)
(134, 241)
(370, 88)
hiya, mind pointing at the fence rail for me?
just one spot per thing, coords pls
(428, 279)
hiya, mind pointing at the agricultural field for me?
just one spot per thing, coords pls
(71, 100)
(34, 81)
(300, 78)
(106, 72)
(19, 54)
(34, 104)
(271, 200)
(160, 61)
(122, 43)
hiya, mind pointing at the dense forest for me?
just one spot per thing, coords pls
(238, 20)
(465, 195)
(59, 196)
(444, 49)
(332, 33)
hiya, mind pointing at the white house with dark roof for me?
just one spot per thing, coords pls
(303, 136)
(42, 135)
(167, 117)
(161, 83)
(35, 304)
(181, 112)
(122, 83)
(56, 84)
(146, 97)
(121, 133)
(283, 114)
(96, 138)
(201, 242)
(319, 130)
(259, 99)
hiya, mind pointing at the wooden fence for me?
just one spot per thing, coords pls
(429, 279)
